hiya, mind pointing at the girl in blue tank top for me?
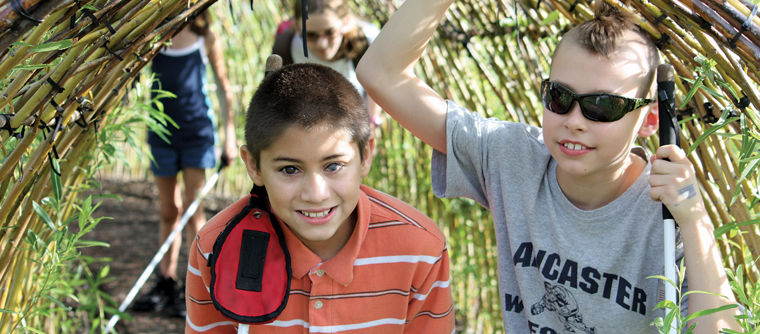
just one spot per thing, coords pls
(181, 69)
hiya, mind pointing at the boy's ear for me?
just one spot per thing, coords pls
(250, 166)
(651, 122)
(367, 163)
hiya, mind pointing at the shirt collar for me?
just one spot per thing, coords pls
(341, 267)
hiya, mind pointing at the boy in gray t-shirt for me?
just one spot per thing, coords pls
(576, 208)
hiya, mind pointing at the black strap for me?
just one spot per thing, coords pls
(110, 27)
(704, 24)
(87, 12)
(745, 26)
(732, 41)
(304, 17)
(52, 166)
(56, 128)
(742, 102)
(253, 254)
(7, 126)
(55, 85)
(21, 11)
(572, 7)
(660, 19)
(663, 41)
(58, 108)
(105, 45)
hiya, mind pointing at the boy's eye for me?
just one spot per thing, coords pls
(334, 167)
(289, 170)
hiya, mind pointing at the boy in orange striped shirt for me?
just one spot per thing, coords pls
(362, 261)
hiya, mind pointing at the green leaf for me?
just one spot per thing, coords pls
(723, 121)
(56, 179)
(726, 227)
(67, 308)
(664, 279)
(710, 311)
(44, 216)
(91, 243)
(729, 88)
(553, 16)
(32, 67)
(53, 46)
(104, 272)
(692, 91)
(2, 310)
(20, 44)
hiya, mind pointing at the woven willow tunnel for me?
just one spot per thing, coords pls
(65, 66)
(489, 56)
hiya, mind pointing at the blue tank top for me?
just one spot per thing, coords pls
(183, 72)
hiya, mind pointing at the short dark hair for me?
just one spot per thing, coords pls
(307, 95)
(605, 34)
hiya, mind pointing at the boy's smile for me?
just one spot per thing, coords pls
(312, 179)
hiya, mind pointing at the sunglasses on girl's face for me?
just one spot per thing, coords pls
(599, 107)
(329, 34)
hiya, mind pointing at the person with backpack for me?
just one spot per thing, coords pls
(335, 38)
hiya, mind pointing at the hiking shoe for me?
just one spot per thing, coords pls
(161, 296)
(178, 308)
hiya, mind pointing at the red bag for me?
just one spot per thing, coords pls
(250, 265)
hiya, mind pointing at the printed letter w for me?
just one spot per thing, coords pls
(513, 304)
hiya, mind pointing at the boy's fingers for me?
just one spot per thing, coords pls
(671, 152)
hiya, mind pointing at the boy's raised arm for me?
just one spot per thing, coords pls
(386, 71)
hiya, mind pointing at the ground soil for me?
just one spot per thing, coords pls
(132, 233)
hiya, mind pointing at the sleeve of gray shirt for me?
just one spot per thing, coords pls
(475, 145)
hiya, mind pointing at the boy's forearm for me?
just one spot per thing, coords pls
(705, 272)
(415, 21)
(387, 70)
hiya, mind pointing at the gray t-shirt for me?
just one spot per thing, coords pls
(561, 269)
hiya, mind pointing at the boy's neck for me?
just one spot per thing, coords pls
(595, 191)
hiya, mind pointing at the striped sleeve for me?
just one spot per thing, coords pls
(431, 308)
(202, 317)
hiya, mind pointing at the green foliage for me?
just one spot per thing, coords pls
(748, 294)
(65, 287)
(674, 319)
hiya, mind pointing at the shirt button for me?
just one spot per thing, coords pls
(320, 272)
(318, 305)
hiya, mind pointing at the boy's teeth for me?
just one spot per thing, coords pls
(575, 146)
(316, 214)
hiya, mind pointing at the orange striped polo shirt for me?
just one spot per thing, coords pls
(392, 276)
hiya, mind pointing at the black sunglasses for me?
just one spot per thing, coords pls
(599, 107)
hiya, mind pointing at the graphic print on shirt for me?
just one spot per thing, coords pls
(559, 300)
(564, 280)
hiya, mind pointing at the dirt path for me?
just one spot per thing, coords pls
(133, 236)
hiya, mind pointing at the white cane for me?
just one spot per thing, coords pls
(668, 136)
(165, 247)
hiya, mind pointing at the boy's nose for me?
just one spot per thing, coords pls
(315, 190)
(574, 119)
